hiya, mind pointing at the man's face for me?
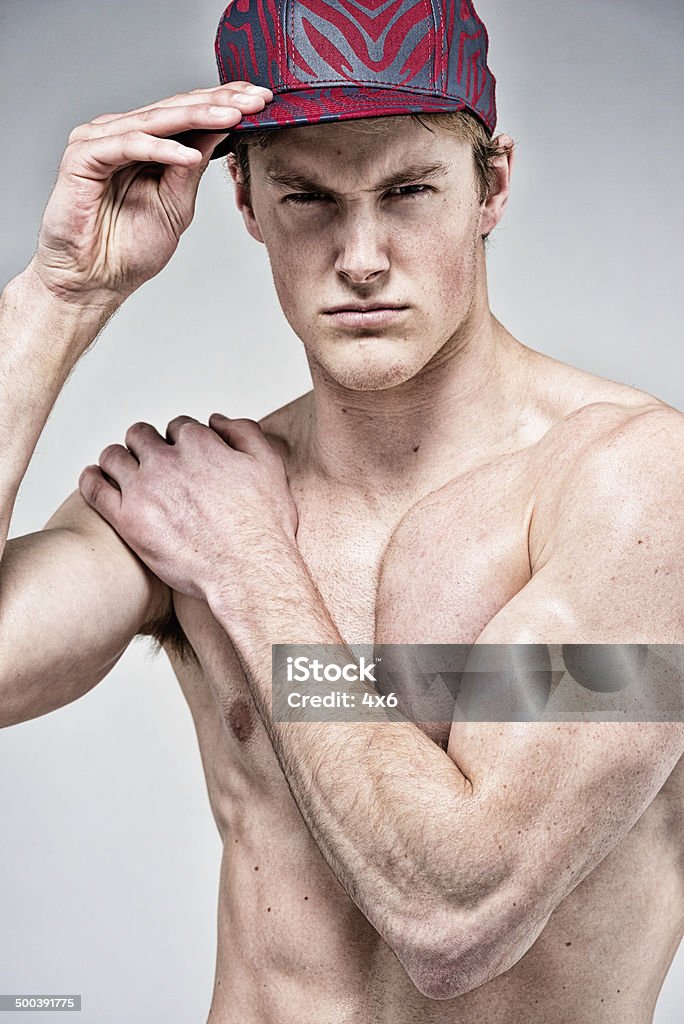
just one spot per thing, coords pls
(389, 218)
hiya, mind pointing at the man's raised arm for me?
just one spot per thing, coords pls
(73, 595)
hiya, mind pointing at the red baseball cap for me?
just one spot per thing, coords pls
(334, 60)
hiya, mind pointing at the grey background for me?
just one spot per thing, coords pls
(108, 854)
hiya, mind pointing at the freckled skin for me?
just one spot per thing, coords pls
(326, 253)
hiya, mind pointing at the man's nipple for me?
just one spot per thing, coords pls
(241, 719)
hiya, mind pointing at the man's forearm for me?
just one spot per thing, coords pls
(378, 797)
(41, 339)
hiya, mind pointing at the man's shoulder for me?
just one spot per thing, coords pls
(605, 439)
(594, 421)
(572, 388)
(613, 467)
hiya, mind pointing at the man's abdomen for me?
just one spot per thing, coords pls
(294, 949)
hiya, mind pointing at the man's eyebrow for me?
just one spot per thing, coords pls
(412, 173)
(290, 179)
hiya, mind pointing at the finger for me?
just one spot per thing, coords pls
(168, 120)
(141, 437)
(243, 84)
(244, 435)
(175, 177)
(100, 494)
(204, 143)
(100, 158)
(178, 425)
(195, 96)
(119, 464)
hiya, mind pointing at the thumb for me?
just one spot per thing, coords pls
(178, 185)
(221, 425)
(244, 435)
(205, 143)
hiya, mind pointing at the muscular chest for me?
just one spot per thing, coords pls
(435, 573)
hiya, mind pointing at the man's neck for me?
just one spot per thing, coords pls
(465, 404)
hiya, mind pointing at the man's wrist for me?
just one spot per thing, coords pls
(77, 319)
(262, 598)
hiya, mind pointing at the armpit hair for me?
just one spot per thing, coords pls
(167, 633)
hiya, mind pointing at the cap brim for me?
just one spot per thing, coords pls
(339, 103)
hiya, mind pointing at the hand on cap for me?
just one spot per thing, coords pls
(126, 192)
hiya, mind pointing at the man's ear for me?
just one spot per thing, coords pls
(494, 205)
(243, 200)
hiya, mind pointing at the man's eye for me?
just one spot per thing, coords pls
(303, 198)
(400, 191)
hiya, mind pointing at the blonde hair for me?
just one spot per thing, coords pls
(458, 122)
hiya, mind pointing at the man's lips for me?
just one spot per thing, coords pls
(371, 315)
(363, 307)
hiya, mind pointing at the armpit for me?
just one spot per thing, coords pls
(167, 632)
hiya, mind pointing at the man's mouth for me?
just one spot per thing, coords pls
(366, 314)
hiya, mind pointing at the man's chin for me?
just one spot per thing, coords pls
(369, 372)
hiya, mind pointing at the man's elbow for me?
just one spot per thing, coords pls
(472, 948)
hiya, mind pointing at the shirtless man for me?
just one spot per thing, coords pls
(441, 483)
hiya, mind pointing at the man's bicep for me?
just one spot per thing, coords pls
(557, 796)
(72, 596)
(608, 558)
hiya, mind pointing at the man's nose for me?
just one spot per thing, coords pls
(362, 248)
